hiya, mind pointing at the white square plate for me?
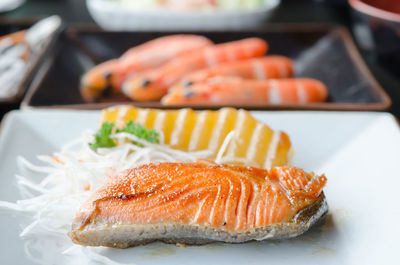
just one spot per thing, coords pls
(358, 151)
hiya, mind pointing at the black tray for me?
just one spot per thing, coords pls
(324, 52)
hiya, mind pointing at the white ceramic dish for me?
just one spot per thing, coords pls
(112, 16)
(359, 152)
(8, 5)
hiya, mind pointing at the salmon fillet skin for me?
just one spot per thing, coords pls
(198, 203)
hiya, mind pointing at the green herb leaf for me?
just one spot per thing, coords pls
(141, 132)
(102, 137)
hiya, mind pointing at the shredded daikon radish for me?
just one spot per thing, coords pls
(68, 178)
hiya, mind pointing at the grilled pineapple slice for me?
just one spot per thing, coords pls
(251, 142)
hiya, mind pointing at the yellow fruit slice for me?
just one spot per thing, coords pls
(250, 141)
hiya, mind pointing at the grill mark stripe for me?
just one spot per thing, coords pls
(212, 214)
(272, 148)
(252, 148)
(258, 213)
(159, 121)
(194, 139)
(216, 134)
(199, 211)
(240, 204)
(272, 208)
(179, 126)
(250, 206)
(120, 119)
(228, 200)
(237, 129)
(266, 199)
(142, 116)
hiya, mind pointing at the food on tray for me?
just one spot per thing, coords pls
(153, 84)
(111, 74)
(260, 69)
(190, 69)
(18, 51)
(197, 203)
(242, 139)
(238, 91)
(14, 53)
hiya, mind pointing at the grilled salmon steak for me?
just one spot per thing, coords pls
(201, 202)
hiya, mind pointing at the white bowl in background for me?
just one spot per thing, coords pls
(113, 16)
(8, 5)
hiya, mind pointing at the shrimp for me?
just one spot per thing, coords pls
(112, 73)
(152, 85)
(268, 67)
(228, 91)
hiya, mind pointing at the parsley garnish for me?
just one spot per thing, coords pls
(141, 132)
(102, 138)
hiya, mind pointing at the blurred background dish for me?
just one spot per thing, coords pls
(177, 14)
(377, 28)
(8, 5)
(21, 51)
